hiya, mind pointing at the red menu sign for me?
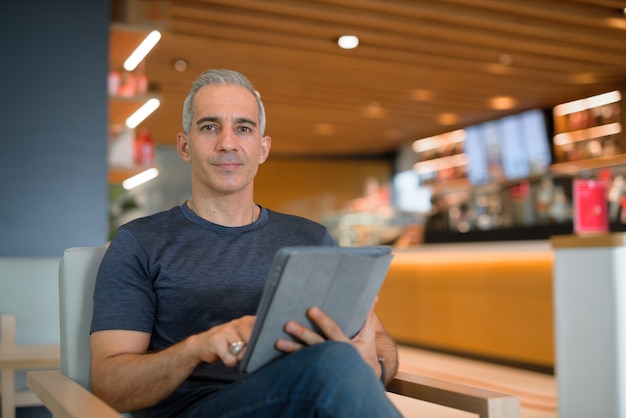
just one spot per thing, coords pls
(590, 206)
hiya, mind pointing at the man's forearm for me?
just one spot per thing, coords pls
(129, 382)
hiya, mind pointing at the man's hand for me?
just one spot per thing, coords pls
(213, 345)
(364, 341)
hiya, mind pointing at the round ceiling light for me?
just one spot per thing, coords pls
(180, 65)
(348, 41)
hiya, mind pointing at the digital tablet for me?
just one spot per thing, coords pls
(342, 281)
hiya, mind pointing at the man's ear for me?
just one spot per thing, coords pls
(182, 145)
(266, 144)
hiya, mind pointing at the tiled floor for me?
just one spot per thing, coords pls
(537, 391)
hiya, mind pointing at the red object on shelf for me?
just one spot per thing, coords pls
(590, 206)
(144, 148)
(142, 84)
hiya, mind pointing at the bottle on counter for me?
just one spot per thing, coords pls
(144, 148)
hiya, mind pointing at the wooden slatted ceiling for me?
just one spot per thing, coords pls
(418, 59)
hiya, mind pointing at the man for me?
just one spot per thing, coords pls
(177, 291)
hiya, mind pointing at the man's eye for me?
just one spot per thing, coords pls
(245, 129)
(207, 128)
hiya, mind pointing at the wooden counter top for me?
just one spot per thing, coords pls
(474, 247)
(616, 239)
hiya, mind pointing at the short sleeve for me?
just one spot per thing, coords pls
(124, 295)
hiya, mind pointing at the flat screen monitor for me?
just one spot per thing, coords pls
(512, 147)
(407, 193)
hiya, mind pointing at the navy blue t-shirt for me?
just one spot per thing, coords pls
(174, 274)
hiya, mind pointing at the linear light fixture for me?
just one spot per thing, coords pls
(143, 112)
(142, 50)
(442, 140)
(588, 103)
(141, 178)
(442, 163)
(587, 133)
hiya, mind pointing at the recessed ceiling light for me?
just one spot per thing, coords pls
(180, 65)
(447, 118)
(374, 110)
(348, 41)
(421, 95)
(502, 102)
(497, 68)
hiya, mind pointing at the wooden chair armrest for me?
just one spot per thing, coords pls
(485, 403)
(65, 398)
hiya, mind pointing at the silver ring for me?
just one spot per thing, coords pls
(235, 347)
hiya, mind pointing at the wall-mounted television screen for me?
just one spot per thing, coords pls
(407, 193)
(512, 147)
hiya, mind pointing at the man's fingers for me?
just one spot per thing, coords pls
(329, 328)
(302, 333)
(288, 346)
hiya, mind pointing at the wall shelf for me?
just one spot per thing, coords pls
(118, 174)
(124, 38)
(589, 133)
(580, 166)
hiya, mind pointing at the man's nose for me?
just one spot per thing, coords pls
(227, 140)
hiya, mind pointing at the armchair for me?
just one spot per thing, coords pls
(66, 393)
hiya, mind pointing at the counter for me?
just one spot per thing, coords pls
(489, 300)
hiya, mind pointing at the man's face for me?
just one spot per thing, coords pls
(224, 145)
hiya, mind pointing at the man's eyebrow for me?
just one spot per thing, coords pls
(207, 119)
(216, 119)
(246, 121)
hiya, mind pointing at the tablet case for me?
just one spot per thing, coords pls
(342, 281)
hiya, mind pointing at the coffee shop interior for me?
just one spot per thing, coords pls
(482, 140)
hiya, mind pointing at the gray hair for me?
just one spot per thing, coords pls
(220, 77)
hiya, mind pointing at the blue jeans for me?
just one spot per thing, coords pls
(325, 380)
